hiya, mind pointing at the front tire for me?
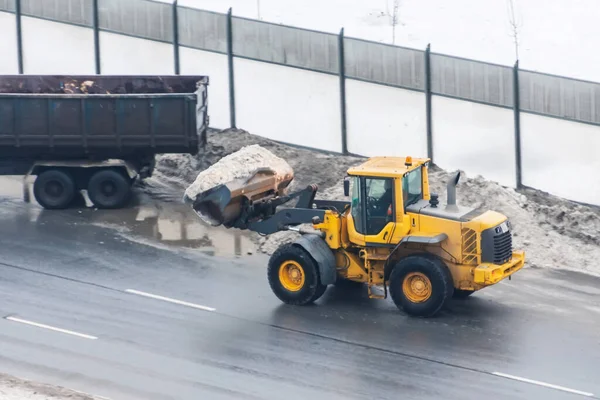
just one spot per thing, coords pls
(420, 285)
(294, 276)
(109, 189)
(54, 189)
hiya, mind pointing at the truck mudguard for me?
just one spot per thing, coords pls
(322, 254)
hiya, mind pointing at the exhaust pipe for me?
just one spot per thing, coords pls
(451, 189)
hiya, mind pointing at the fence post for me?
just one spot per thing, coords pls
(428, 117)
(517, 110)
(96, 26)
(19, 36)
(175, 38)
(342, 74)
(230, 68)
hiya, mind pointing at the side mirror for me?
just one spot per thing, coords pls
(346, 186)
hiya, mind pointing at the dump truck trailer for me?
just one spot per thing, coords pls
(96, 133)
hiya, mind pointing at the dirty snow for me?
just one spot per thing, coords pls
(12, 388)
(181, 169)
(555, 233)
(238, 165)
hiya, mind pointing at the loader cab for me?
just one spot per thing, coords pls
(380, 190)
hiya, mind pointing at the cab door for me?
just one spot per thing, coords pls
(372, 218)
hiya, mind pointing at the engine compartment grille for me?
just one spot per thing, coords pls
(496, 244)
(502, 247)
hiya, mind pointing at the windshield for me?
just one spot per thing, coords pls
(412, 187)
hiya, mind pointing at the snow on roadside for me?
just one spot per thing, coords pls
(12, 388)
(555, 233)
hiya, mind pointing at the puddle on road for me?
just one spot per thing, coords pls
(174, 225)
(148, 219)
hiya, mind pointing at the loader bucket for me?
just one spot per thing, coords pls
(225, 204)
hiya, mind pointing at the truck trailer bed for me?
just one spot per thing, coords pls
(100, 117)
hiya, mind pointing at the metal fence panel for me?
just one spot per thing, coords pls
(472, 80)
(285, 45)
(78, 12)
(7, 5)
(381, 63)
(560, 97)
(202, 30)
(141, 18)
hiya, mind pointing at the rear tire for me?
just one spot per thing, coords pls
(109, 189)
(462, 294)
(54, 189)
(420, 285)
(294, 276)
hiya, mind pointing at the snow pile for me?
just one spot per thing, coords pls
(181, 170)
(240, 164)
(12, 388)
(555, 233)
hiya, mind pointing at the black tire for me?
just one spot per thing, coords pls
(310, 287)
(462, 294)
(54, 189)
(439, 283)
(109, 189)
(319, 293)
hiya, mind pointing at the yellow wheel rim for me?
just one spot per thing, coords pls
(416, 287)
(291, 276)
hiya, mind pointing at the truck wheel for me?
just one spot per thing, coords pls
(109, 189)
(294, 276)
(54, 189)
(462, 294)
(420, 285)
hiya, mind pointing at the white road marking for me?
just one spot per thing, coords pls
(175, 301)
(52, 328)
(548, 385)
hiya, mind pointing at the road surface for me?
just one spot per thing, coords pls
(85, 307)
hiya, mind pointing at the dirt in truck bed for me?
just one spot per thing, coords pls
(555, 233)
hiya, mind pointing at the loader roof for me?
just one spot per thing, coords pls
(388, 167)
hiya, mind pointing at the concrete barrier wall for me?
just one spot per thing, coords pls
(561, 157)
(385, 121)
(214, 65)
(476, 138)
(302, 107)
(128, 55)
(288, 104)
(8, 44)
(56, 48)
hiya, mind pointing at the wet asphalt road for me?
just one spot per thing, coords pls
(59, 270)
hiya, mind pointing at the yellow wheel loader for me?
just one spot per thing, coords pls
(392, 235)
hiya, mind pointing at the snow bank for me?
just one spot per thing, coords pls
(555, 233)
(12, 388)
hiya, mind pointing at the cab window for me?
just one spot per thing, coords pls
(379, 201)
(412, 187)
(372, 204)
(357, 209)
